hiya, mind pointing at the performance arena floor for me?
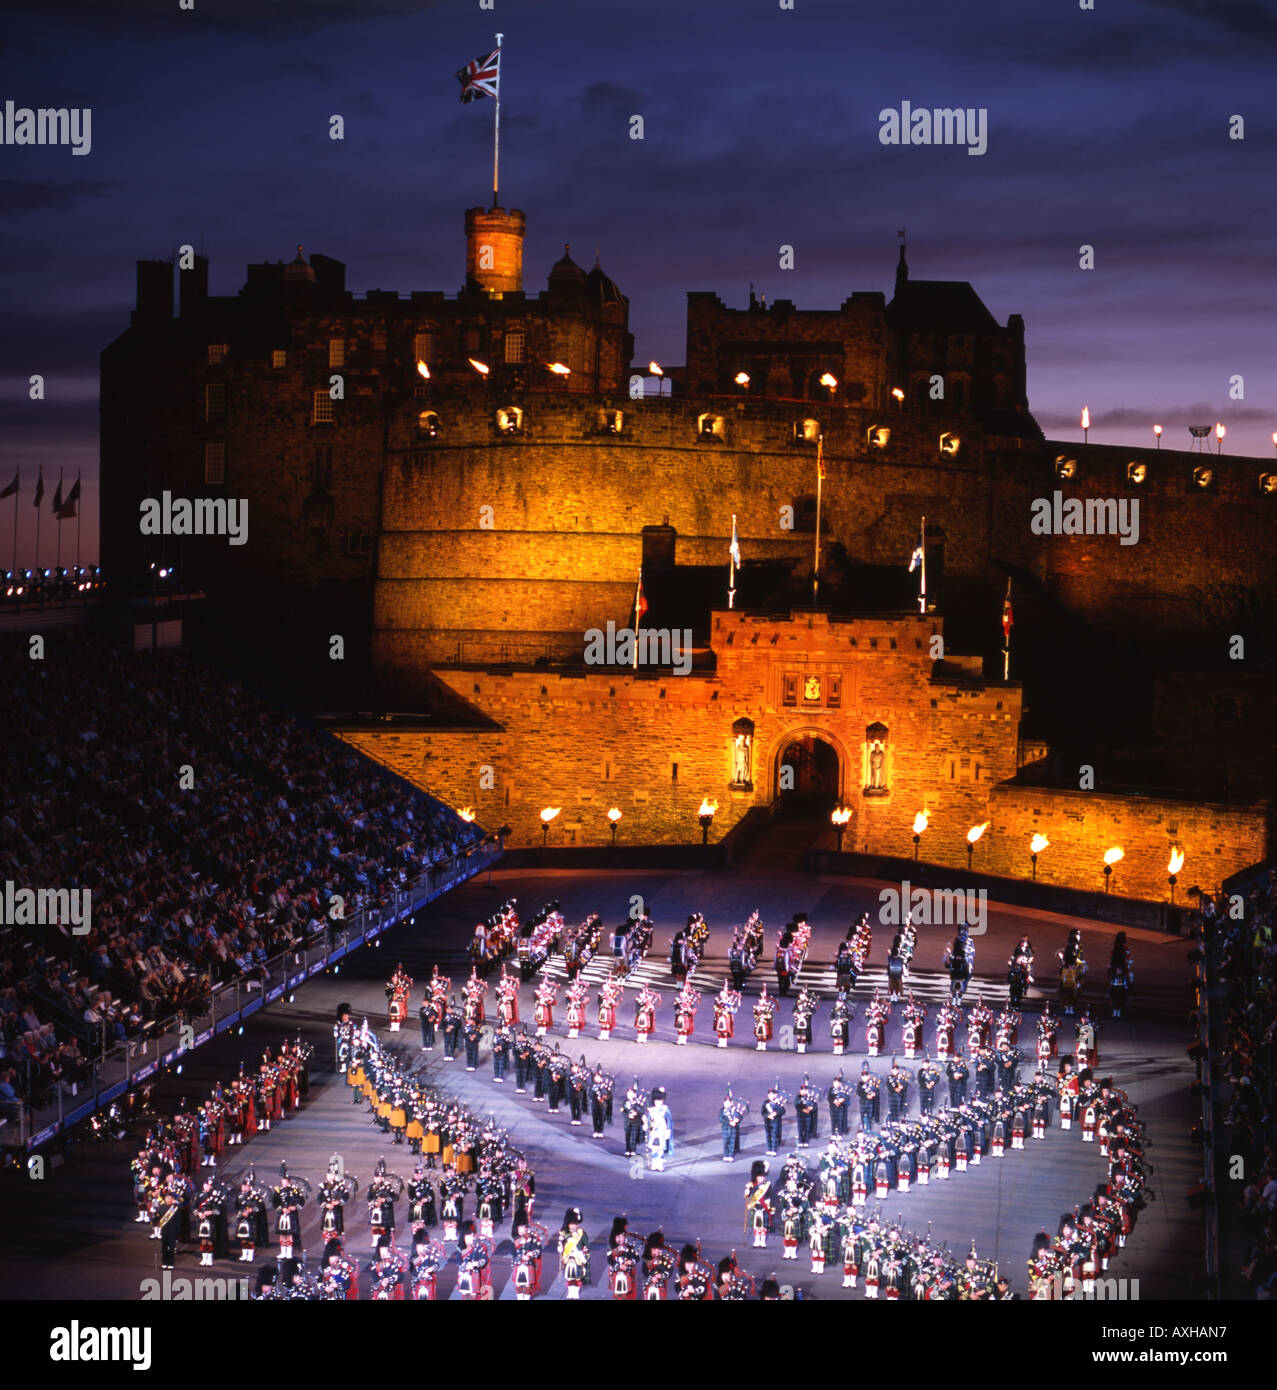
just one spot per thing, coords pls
(73, 1234)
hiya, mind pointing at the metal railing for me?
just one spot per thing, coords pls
(127, 1064)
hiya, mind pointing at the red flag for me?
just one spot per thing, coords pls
(1008, 620)
(640, 601)
(480, 77)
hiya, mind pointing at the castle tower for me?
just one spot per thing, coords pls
(494, 249)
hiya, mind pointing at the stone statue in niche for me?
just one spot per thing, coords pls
(742, 753)
(876, 760)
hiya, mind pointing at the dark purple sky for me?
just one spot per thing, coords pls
(1107, 127)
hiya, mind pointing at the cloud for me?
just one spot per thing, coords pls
(21, 196)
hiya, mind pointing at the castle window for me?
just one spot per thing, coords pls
(358, 542)
(833, 698)
(217, 353)
(1065, 467)
(321, 410)
(956, 388)
(215, 463)
(379, 340)
(790, 695)
(336, 352)
(279, 358)
(471, 337)
(428, 423)
(510, 419)
(423, 347)
(215, 402)
(805, 513)
(516, 345)
(710, 427)
(611, 421)
(807, 431)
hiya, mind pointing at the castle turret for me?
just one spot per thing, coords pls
(494, 249)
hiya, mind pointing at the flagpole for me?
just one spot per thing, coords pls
(731, 568)
(16, 495)
(79, 516)
(922, 597)
(38, 576)
(57, 563)
(1006, 636)
(820, 475)
(496, 128)
(638, 589)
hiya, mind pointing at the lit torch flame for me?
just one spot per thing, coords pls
(655, 369)
(548, 813)
(424, 370)
(1111, 856)
(840, 816)
(466, 813)
(558, 368)
(1038, 843)
(614, 814)
(829, 380)
(708, 807)
(1177, 861)
(920, 822)
(975, 832)
(741, 378)
(1220, 431)
(1086, 418)
(480, 367)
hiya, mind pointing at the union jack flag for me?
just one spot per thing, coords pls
(479, 78)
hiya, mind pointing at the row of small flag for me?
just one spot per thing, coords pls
(63, 507)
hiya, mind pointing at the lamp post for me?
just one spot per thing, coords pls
(1036, 845)
(656, 370)
(548, 813)
(830, 382)
(614, 815)
(840, 815)
(1111, 856)
(1220, 432)
(742, 380)
(1086, 423)
(919, 825)
(900, 397)
(706, 817)
(972, 836)
(1173, 868)
(1157, 434)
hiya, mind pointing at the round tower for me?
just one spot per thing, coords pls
(494, 249)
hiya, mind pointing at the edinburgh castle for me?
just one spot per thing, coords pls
(460, 488)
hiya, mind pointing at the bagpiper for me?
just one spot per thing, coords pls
(507, 999)
(807, 1112)
(726, 1002)
(209, 1210)
(529, 1245)
(686, 1002)
(334, 1192)
(729, 1123)
(646, 1003)
(915, 1015)
(547, 992)
(474, 1259)
(764, 1010)
(773, 1112)
(611, 992)
(929, 1075)
(840, 1016)
(600, 1100)
(805, 1006)
(250, 1217)
(578, 996)
(868, 1090)
(397, 990)
(633, 1108)
(839, 1097)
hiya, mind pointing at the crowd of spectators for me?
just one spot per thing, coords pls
(212, 830)
(1242, 961)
